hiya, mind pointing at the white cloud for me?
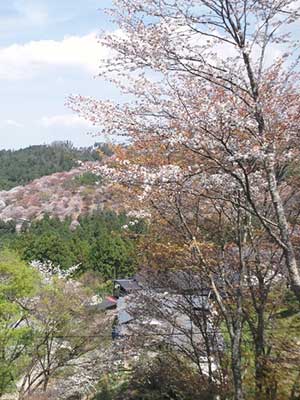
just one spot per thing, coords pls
(64, 120)
(21, 61)
(13, 123)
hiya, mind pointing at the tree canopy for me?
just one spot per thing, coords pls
(104, 242)
(17, 282)
(213, 123)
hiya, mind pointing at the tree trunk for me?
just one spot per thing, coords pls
(259, 355)
(236, 366)
(289, 253)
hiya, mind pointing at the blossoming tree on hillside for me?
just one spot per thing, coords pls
(218, 93)
(213, 130)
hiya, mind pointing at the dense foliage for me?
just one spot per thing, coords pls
(98, 243)
(22, 166)
(17, 282)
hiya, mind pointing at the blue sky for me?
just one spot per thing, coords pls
(48, 50)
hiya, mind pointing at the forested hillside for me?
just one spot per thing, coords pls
(166, 267)
(98, 243)
(22, 166)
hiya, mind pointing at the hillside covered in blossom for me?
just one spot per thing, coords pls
(63, 194)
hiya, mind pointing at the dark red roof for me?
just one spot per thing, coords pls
(108, 303)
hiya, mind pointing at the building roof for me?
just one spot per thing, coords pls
(184, 281)
(128, 284)
(199, 302)
(180, 282)
(108, 303)
(122, 307)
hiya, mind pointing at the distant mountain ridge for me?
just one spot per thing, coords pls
(19, 167)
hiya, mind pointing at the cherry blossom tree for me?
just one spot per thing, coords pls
(217, 79)
(64, 328)
(213, 127)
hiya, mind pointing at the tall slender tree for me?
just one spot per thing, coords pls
(214, 139)
(217, 79)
